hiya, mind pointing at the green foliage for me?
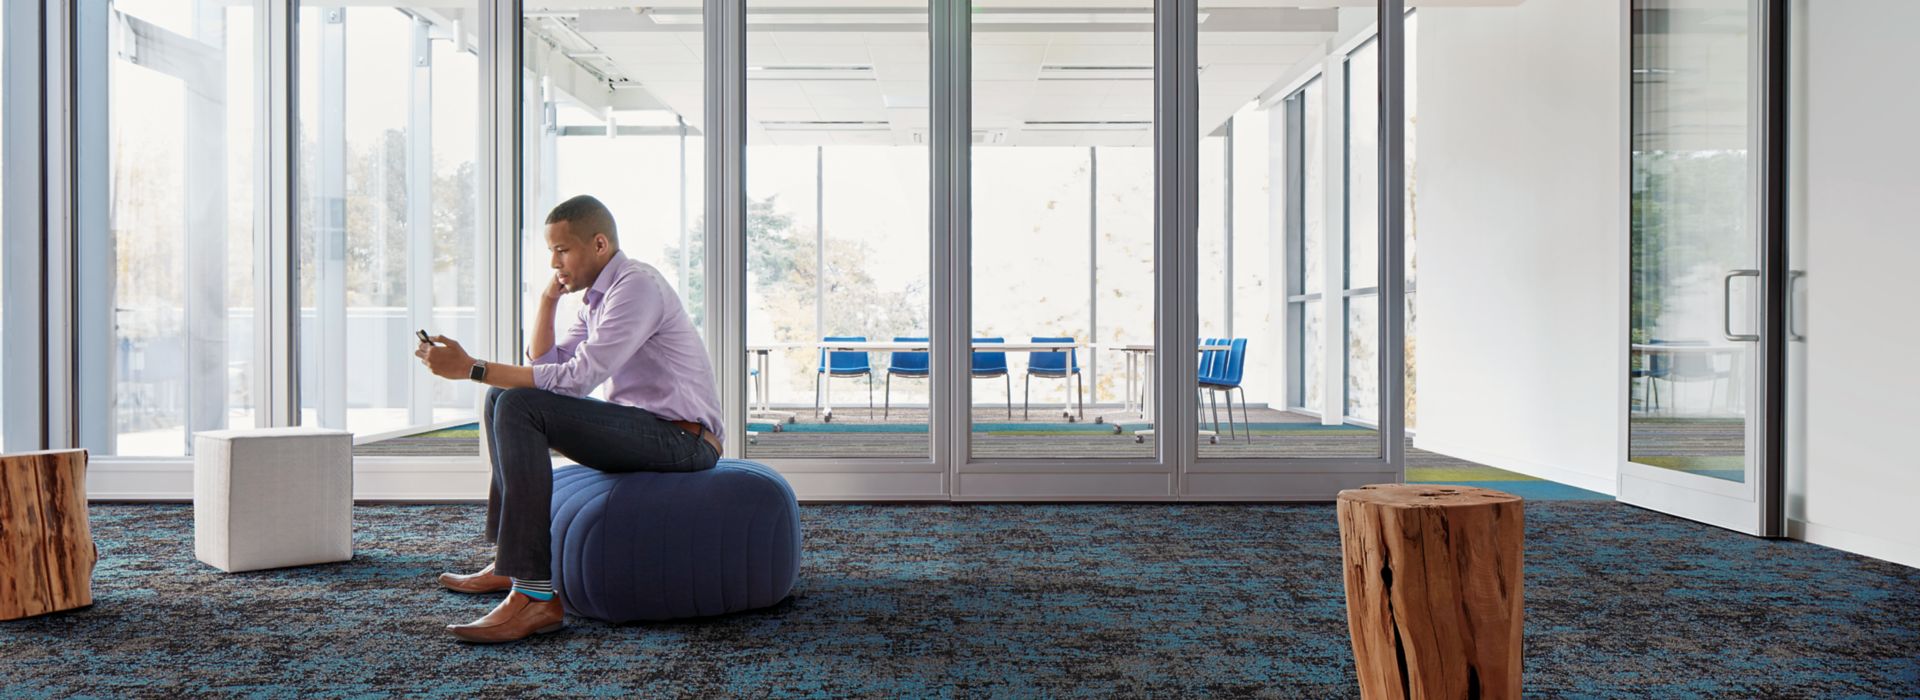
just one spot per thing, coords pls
(1689, 222)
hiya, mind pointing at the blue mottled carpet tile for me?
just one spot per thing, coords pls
(979, 600)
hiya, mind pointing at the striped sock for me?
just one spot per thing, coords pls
(541, 590)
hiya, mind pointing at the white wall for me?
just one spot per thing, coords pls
(1523, 245)
(1859, 243)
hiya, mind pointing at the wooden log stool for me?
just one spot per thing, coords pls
(1433, 590)
(46, 548)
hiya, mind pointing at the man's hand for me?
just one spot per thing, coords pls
(554, 289)
(445, 358)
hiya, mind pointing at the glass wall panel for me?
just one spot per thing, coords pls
(180, 185)
(839, 244)
(1695, 238)
(387, 239)
(613, 109)
(4, 370)
(1362, 240)
(1412, 91)
(1063, 231)
(1282, 283)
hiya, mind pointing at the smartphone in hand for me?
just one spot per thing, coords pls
(423, 336)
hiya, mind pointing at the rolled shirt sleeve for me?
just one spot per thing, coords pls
(627, 319)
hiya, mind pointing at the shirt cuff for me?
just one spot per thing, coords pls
(544, 373)
(553, 356)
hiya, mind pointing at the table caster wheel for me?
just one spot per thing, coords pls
(1213, 439)
(791, 420)
(827, 419)
(1139, 439)
(1116, 429)
(1071, 419)
(1099, 419)
(778, 428)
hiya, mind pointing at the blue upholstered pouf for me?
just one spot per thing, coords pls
(661, 546)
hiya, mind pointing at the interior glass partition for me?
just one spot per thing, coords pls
(838, 302)
(1062, 232)
(1289, 239)
(613, 108)
(5, 69)
(388, 200)
(177, 254)
(1695, 238)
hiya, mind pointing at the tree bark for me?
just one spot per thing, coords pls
(1433, 590)
(46, 549)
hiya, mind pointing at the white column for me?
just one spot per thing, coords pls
(1333, 364)
(330, 234)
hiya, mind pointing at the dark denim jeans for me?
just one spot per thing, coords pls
(525, 423)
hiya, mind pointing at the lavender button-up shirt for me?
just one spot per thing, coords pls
(635, 336)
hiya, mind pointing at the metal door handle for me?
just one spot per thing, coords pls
(1793, 320)
(1726, 305)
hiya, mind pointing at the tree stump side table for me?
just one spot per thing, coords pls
(46, 548)
(1433, 589)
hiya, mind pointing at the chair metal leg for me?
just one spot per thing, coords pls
(1231, 433)
(1213, 401)
(886, 409)
(816, 395)
(1081, 407)
(1009, 378)
(1026, 393)
(869, 396)
(1246, 418)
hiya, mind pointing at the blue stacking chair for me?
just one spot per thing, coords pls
(987, 365)
(1055, 364)
(843, 363)
(905, 364)
(1222, 374)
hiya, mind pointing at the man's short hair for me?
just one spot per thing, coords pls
(586, 216)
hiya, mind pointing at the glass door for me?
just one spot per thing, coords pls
(1696, 394)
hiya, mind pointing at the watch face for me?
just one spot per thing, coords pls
(478, 372)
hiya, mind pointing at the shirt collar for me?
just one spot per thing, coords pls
(605, 280)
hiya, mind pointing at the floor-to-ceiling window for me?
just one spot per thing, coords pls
(1305, 256)
(388, 202)
(166, 277)
(839, 249)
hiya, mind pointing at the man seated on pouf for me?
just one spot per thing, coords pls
(662, 411)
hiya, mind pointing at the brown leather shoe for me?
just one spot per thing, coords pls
(485, 581)
(516, 618)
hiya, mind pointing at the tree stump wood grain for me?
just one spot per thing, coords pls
(1433, 590)
(46, 549)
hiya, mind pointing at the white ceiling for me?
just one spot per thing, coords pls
(873, 86)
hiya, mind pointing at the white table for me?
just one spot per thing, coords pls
(1140, 361)
(1735, 369)
(762, 406)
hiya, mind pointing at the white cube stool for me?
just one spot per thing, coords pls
(272, 497)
